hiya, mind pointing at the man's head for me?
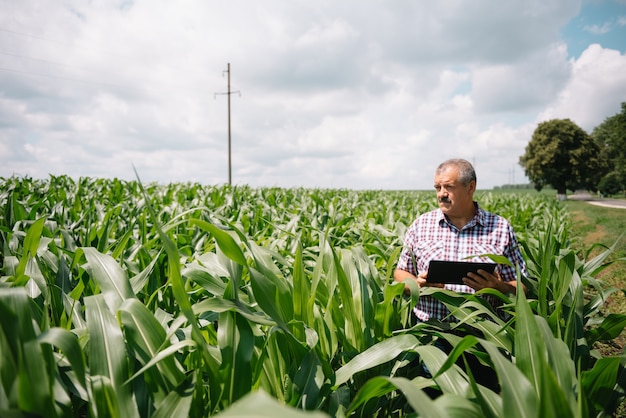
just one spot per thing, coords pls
(455, 183)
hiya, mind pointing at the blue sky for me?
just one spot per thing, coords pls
(602, 22)
(349, 94)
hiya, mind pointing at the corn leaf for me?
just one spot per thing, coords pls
(113, 281)
(236, 343)
(104, 402)
(609, 329)
(605, 384)
(176, 404)
(309, 380)
(23, 356)
(146, 338)
(31, 244)
(258, 404)
(228, 245)
(67, 342)
(518, 395)
(107, 355)
(384, 351)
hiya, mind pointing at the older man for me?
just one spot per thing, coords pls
(457, 230)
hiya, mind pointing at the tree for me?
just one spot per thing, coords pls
(610, 135)
(561, 154)
(610, 184)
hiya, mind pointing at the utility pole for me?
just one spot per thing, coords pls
(228, 92)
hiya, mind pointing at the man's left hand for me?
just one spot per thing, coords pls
(483, 280)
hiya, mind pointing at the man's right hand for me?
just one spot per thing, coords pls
(403, 276)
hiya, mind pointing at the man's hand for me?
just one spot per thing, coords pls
(484, 279)
(422, 281)
(403, 276)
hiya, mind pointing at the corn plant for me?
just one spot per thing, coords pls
(124, 299)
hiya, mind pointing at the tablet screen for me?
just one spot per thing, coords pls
(440, 271)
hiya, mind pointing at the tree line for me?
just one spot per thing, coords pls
(564, 156)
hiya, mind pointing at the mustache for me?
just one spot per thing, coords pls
(444, 200)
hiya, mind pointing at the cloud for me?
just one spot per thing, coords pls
(595, 89)
(598, 29)
(517, 86)
(325, 94)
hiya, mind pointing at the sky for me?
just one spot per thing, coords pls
(350, 94)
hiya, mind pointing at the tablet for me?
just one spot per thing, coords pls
(440, 271)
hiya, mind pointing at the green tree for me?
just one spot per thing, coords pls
(562, 155)
(611, 138)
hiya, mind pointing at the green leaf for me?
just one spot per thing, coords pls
(68, 343)
(451, 380)
(162, 355)
(260, 405)
(222, 305)
(309, 380)
(301, 290)
(271, 296)
(26, 358)
(176, 404)
(226, 242)
(518, 395)
(31, 244)
(236, 343)
(605, 383)
(103, 402)
(446, 405)
(560, 364)
(377, 354)
(610, 328)
(107, 354)
(349, 289)
(34, 385)
(146, 338)
(529, 353)
(139, 281)
(113, 281)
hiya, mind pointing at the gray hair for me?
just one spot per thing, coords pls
(466, 170)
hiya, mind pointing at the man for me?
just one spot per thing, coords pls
(458, 229)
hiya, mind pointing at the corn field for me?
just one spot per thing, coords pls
(123, 299)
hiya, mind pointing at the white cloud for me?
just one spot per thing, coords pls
(516, 86)
(595, 89)
(598, 29)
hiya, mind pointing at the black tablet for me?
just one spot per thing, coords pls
(440, 271)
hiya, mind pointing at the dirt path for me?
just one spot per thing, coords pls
(608, 203)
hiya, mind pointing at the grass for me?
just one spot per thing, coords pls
(595, 227)
(592, 225)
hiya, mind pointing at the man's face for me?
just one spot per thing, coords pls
(454, 198)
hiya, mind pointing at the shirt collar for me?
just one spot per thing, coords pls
(478, 219)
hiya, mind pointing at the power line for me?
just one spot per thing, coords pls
(82, 47)
(60, 64)
(41, 38)
(134, 85)
(28, 73)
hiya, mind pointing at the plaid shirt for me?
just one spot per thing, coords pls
(433, 237)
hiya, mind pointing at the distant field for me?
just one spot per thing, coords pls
(543, 192)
